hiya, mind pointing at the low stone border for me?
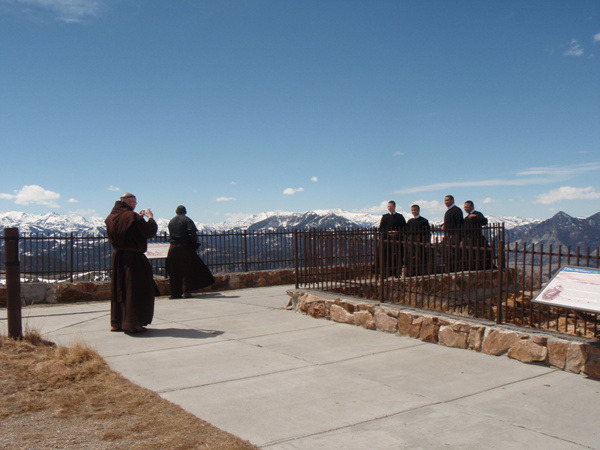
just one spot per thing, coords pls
(85, 291)
(569, 353)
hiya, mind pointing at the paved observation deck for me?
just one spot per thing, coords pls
(279, 379)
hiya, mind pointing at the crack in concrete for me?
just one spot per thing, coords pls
(61, 314)
(78, 323)
(118, 355)
(416, 408)
(264, 374)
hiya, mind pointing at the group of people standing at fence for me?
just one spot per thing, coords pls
(132, 283)
(408, 245)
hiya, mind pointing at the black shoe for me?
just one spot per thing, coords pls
(173, 297)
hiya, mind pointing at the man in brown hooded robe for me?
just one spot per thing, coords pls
(132, 281)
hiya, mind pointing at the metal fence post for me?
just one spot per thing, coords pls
(500, 282)
(72, 247)
(246, 250)
(381, 268)
(13, 283)
(296, 258)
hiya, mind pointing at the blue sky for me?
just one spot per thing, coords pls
(238, 107)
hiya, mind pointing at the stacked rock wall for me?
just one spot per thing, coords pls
(65, 292)
(577, 355)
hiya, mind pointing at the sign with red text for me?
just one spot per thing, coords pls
(573, 287)
(157, 251)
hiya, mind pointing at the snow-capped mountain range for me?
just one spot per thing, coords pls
(559, 229)
(323, 219)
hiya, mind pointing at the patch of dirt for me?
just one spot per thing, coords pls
(57, 397)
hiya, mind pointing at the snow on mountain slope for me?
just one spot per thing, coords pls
(270, 220)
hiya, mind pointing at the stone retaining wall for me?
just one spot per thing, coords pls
(65, 292)
(569, 353)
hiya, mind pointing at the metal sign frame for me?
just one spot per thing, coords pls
(574, 288)
(157, 251)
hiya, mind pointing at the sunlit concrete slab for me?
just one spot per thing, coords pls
(285, 405)
(559, 404)
(161, 336)
(280, 379)
(266, 297)
(200, 307)
(429, 427)
(338, 342)
(48, 318)
(265, 322)
(440, 373)
(185, 367)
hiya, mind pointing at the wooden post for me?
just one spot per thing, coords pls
(13, 283)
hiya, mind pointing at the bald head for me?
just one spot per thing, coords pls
(129, 199)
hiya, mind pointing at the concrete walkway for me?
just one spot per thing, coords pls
(284, 380)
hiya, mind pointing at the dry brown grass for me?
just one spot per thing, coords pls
(57, 397)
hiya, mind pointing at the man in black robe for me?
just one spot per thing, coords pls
(475, 244)
(453, 221)
(418, 233)
(186, 269)
(391, 226)
(132, 282)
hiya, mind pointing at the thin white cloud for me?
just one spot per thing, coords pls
(314, 179)
(72, 200)
(459, 184)
(568, 193)
(399, 154)
(113, 188)
(597, 37)
(532, 176)
(233, 183)
(69, 11)
(574, 49)
(561, 171)
(225, 199)
(487, 200)
(33, 194)
(292, 191)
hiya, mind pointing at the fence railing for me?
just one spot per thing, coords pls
(476, 275)
(88, 257)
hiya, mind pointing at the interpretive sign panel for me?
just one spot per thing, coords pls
(573, 287)
(157, 251)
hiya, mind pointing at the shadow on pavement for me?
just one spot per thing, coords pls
(217, 295)
(185, 333)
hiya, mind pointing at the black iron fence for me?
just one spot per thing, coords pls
(476, 275)
(88, 257)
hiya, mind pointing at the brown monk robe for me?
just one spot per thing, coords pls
(132, 283)
(186, 269)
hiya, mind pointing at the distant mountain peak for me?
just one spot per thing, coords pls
(559, 229)
(561, 214)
